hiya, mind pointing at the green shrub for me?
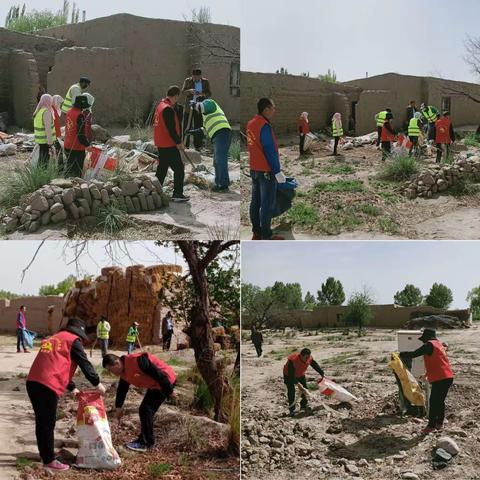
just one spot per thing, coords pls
(472, 140)
(235, 148)
(400, 169)
(113, 218)
(340, 170)
(339, 186)
(302, 214)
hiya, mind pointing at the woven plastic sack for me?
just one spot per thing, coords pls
(93, 431)
(411, 389)
(99, 163)
(28, 338)
(330, 389)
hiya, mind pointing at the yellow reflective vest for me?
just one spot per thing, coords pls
(336, 132)
(430, 115)
(381, 117)
(39, 128)
(215, 121)
(103, 332)
(413, 128)
(132, 335)
(67, 103)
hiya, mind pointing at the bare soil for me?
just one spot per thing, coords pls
(375, 210)
(371, 435)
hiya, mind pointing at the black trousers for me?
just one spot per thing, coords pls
(258, 348)
(302, 143)
(196, 122)
(148, 408)
(335, 145)
(440, 151)
(414, 141)
(170, 157)
(167, 340)
(379, 132)
(291, 392)
(74, 163)
(44, 158)
(44, 403)
(386, 149)
(438, 394)
(20, 339)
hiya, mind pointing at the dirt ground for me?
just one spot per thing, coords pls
(371, 436)
(367, 207)
(184, 445)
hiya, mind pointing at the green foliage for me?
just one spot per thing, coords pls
(202, 15)
(235, 149)
(410, 296)
(339, 186)
(309, 302)
(371, 210)
(399, 169)
(113, 217)
(60, 289)
(16, 184)
(440, 296)
(472, 140)
(329, 77)
(340, 170)
(474, 298)
(302, 214)
(282, 71)
(159, 469)
(22, 463)
(287, 295)
(331, 292)
(256, 305)
(359, 312)
(6, 295)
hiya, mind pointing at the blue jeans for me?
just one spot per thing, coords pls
(20, 339)
(130, 347)
(264, 189)
(104, 346)
(221, 144)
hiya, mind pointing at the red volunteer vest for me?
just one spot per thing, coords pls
(437, 364)
(71, 140)
(134, 376)
(56, 121)
(24, 324)
(442, 130)
(258, 161)
(161, 137)
(299, 365)
(387, 136)
(53, 366)
(303, 124)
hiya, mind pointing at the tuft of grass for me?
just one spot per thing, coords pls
(113, 218)
(344, 217)
(303, 214)
(472, 140)
(159, 469)
(339, 186)
(235, 149)
(178, 362)
(22, 181)
(371, 210)
(22, 463)
(340, 170)
(463, 186)
(399, 169)
(387, 225)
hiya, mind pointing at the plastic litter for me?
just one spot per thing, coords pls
(285, 195)
(100, 163)
(7, 149)
(94, 437)
(332, 390)
(411, 389)
(29, 337)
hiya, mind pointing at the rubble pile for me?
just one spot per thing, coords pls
(438, 321)
(439, 178)
(124, 297)
(75, 198)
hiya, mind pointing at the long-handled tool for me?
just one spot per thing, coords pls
(92, 347)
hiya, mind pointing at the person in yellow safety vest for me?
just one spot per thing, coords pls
(380, 118)
(44, 128)
(73, 92)
(337, 130)
(216, 126)
(431, 114)
(103, 334)
(132, 337)
(414, 130)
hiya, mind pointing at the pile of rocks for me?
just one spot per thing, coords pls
(439, 178)
(76, 198)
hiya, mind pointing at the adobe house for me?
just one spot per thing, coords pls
(130, 60)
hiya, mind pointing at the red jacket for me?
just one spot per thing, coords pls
(135, 376)
(442, 130)
(303, 126)
(258, 161)
(71, 130)
(437, 364)
(53, 366)
(299, 365)
(24, 323)
(161, 136)
(387, 135)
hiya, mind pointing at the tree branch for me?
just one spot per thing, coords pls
(24, 271)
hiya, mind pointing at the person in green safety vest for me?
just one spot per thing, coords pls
(132, 337)
(414, 131)
(431, 115)
(103, 334)
(44, 128)
(73, 92)
(216, 126)
(337, 131)
(380, 118)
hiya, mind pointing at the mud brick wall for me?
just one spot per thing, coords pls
(4, 81)
(124, 296)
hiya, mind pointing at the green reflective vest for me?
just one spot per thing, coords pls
(103, 333)
(67, 103)
(336, 132)
(430, 115)
(39, 128)
(381, 117)
(132, 335)
(413, 128)
(213, 122)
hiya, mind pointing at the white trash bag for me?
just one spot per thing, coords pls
(332, 390)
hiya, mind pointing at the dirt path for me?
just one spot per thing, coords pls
(372, 437)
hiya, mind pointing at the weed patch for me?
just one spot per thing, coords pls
(339, 186)
(399, 169)
(303, 214)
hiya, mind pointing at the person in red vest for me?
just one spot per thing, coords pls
(265, 170)
(142, 370)
(444, 135)
(387, 136)
(439, 375)
(303, 129)
(77, 136)
(50, 375)
(294, 372)
(168, 140)
(21, 326)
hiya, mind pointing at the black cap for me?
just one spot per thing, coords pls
(196, 71)
(76, 326)
(85, 79)
(81, 101)
(428, 334)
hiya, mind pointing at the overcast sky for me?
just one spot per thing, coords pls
(51, 264)
(223, 11)
(353, 37)
(384, 267)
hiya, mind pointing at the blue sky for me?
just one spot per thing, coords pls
(384, 267)
(51, 264)
(354, 37)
